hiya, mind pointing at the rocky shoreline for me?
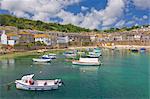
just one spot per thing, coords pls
(13, 53)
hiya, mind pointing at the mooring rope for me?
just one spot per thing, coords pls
(7, 84)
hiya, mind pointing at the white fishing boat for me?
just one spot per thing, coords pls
(87, 62)
(41, 60)
(27, 83)
(70, 54)
(51, 56)
(94, 55)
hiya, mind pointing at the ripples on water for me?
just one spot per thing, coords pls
(122, 75)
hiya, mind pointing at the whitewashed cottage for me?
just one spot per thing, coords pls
(3, 37)
(45, 38)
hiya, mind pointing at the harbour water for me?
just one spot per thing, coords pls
(122, 75)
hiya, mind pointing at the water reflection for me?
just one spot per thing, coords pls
(121, 75)
(87, 68)
(120, 52)
(7, 63)
(40, 63)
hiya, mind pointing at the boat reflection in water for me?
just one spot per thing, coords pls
(87, 68)
(7, 63)
(41, 63)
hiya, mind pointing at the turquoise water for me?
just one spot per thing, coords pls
(123, 75)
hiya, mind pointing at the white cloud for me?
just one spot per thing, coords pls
(41, 16)
(69, 17)
(40, 9)
(21, 14)
(137, 19)
(46, 9)
(108, 16)
(136, 24)
(19, 5)
(83, 8)
(142, 4)
(131, 22)
(105, 28)
(145, 17)
(120, 24)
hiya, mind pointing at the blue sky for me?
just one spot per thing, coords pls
(92, 14)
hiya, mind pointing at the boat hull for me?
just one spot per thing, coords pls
(49, 57)
(93, 56)
(41, 60)
(52, 57)
(85, 63)
(134, 51)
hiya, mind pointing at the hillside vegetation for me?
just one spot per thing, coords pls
(21, 23)
(111, 30)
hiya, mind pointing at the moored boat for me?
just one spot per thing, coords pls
(94, 55)
(70, 54)
(52, 56)
(45, 57)
(142, 50)
(97, 50)
(27, 83)
(41, 60)
(87, 62)
(134, 50)
(49, 56)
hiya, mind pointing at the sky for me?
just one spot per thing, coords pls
(91, 14)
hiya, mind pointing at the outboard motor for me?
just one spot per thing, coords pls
(56, 81)
(60, 82)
